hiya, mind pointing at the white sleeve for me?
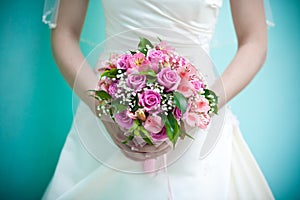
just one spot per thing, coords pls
(50, 12)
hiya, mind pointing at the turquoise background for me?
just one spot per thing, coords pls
(36, 110)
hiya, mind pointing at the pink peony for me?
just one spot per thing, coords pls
(150, 100)
(168, 78)
(153, 124)
(136, 81)
(123, 119)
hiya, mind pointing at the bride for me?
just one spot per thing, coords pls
(227, 171)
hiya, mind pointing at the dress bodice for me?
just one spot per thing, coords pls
(195, 18)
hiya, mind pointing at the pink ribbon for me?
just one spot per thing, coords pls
(150, 166)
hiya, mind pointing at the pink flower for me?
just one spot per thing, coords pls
(123, 61)
(155, 57)
(123, 119)
(168, 78)
(112, 89)
(201, 105)
(177, 113)
(164, 47)
(187, 71)
(186, 88)
(161, 136)
(131, 115)
(153, 124)
(204, 121)
(136, 81)
(201, 121)
(138, 60)
(150, 100)
(103, 85)
(198, 85)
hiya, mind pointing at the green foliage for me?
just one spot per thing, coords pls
(110, 73)
(142, 46)
(213, 100)
(181, 102)
(172, 127)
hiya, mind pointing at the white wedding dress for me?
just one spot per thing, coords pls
(228, 171)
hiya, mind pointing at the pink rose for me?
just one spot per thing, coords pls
(161, 136)
(177, 113)
(150, 100)
(136, 81)
(168, 78)
(186, 88)
(112, 89)
(155, 57)
(123, 61)
(123, 119)
(153, 124)
(201, 105)
(198, 85)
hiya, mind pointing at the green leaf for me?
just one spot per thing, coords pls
(117, 106)
(132, 52)
(181, 102)
(136, 104)
(135, 125)
(151, 80)
(111, 114)
(149, 73)
(148, 141)
(148, 138)
(111, 73)
(129, 138)
(142, 46)
(172, 128)
(183, 133)
(103, 95)
(212, 98)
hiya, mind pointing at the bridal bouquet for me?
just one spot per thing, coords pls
(152, 93)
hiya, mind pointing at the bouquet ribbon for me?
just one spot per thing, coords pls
(150, 166)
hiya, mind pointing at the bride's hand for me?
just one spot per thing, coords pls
(130, 150)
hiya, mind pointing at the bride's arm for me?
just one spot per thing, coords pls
(69, 58)
(251, 30)
(66, 50)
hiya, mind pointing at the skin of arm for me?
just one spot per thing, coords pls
(251, 31)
